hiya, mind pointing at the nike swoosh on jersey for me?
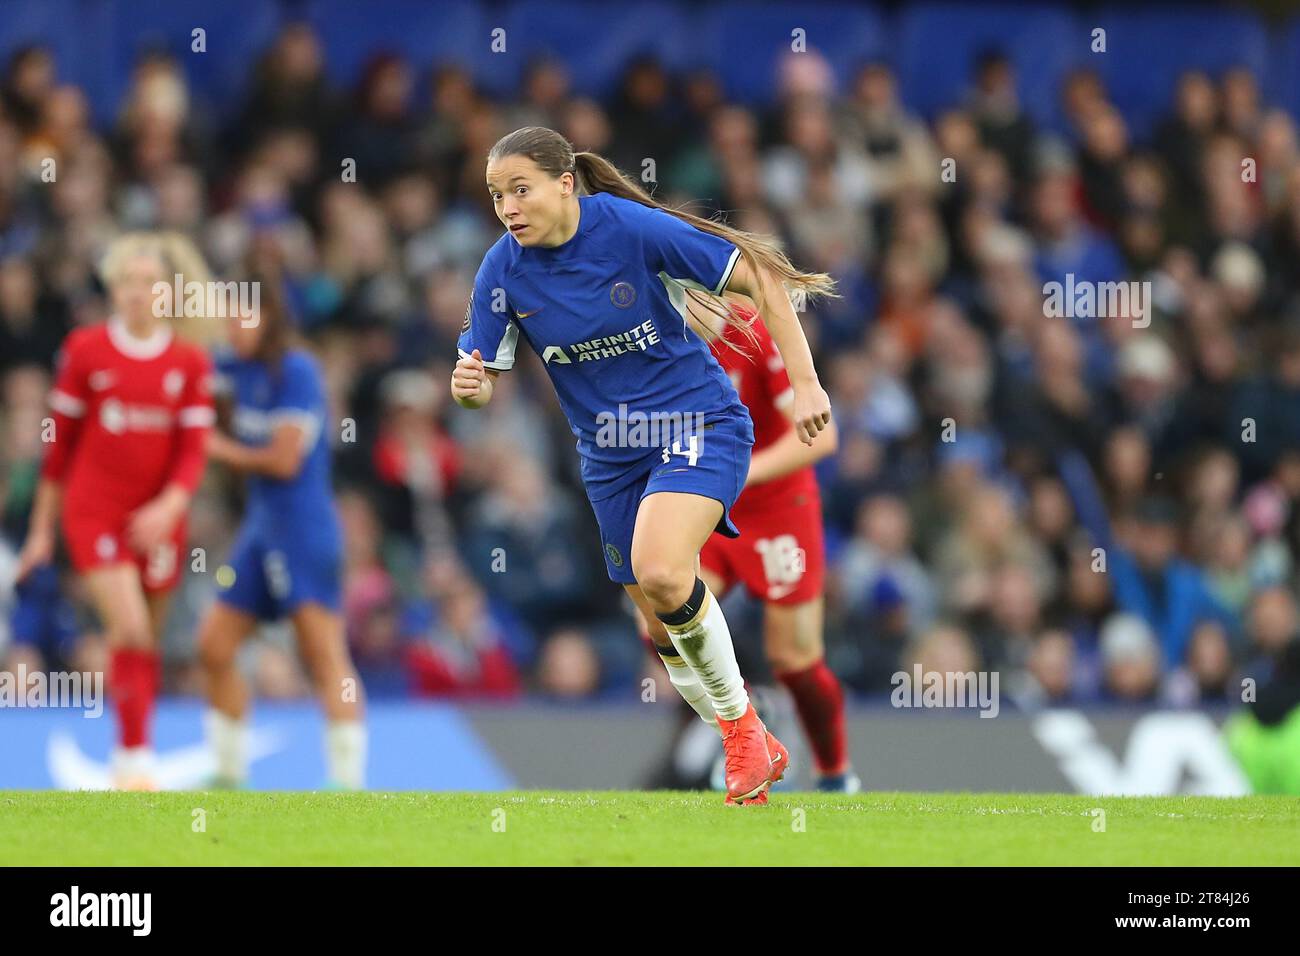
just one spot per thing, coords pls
(524, 315)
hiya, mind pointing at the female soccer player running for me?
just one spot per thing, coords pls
(288, 558)
(780, 557)
(131, 408)
(599, 284)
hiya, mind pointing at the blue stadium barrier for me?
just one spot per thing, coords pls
(932, 45)
(938, 45)
(595, 41)
(745, 42)
(1148, 49)
(78, 53)
(446, 32)
(236, 33)
(412, 746)
(1282, 83)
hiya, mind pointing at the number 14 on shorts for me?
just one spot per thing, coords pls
(691, 453)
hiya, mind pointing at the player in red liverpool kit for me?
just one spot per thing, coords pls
(779, 556)
(131, 409)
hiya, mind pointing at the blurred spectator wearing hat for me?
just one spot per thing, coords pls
(1130, 660)
(881, 550)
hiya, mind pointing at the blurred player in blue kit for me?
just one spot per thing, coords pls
(287, 561)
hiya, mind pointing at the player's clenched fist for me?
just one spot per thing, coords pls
(471, 386)
(812, 412)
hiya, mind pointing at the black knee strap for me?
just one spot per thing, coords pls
(686, 613)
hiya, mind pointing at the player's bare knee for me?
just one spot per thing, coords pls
(131, 632)
(665, 586)
(326, 673)
(327, 665)
(792, 659)
(216, 650)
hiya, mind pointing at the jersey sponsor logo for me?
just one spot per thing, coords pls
(636, 339)
(469, 308)
(615, 556)
(102, 379)
(117, 417)
(622, 294)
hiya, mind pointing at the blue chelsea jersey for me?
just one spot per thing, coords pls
(606, 313)
(263, 398)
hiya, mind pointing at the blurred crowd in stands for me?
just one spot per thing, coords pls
(1102, 508)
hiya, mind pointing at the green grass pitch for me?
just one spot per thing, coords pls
(213, 828)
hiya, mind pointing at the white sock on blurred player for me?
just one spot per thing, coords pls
(132, 767)
(700, 634)
(345, 750)
(228, 738)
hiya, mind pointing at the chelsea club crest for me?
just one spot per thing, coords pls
(622, 294)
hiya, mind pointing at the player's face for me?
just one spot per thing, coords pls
(133, 292)
(528, 201)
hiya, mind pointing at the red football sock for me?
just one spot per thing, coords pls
(819, 699)
(151, 662)
(134, 685)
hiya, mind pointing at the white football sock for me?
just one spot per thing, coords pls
(132, 763)
(345, 751)
(705, 643)
(682, 677)
(228, 738)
